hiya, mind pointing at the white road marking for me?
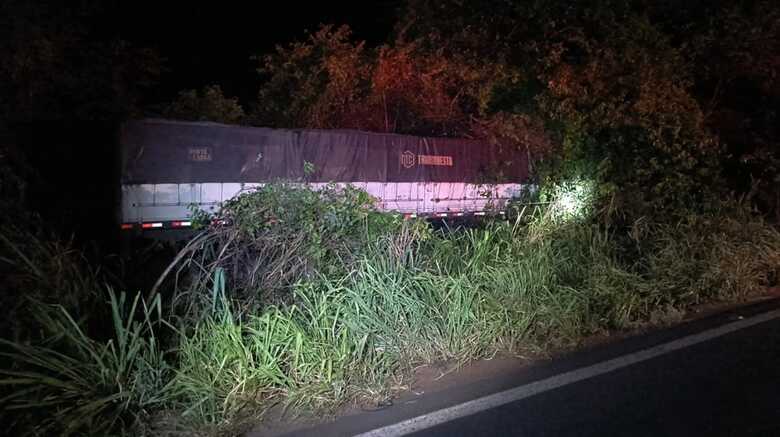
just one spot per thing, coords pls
(525, 391)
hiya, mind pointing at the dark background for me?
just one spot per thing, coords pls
(213, 43)
(70, 71)
(70, 161)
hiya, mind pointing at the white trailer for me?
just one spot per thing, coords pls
(169, 167)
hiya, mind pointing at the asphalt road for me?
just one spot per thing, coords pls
(729, 386)
(715, 377)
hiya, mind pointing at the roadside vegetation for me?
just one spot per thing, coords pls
(312, 299)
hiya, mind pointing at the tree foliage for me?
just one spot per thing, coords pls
(208, 104)
(311, 83)
(617, 91)
(736, 55)
(56, 63)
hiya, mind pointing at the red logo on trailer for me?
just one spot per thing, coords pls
(435, 160)
(408, 160)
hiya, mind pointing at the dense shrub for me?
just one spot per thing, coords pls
(281, 233)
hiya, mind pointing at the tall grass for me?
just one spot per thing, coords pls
(72, 384)
(46, 269)
(302, 354)
(705, 257)
(415, 296)
(381, 298)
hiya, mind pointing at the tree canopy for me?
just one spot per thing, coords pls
(207, 104)
(631, 93)
(59, 62)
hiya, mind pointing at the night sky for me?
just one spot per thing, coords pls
(212, 43)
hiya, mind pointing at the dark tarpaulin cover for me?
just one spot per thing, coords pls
(163, 151)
